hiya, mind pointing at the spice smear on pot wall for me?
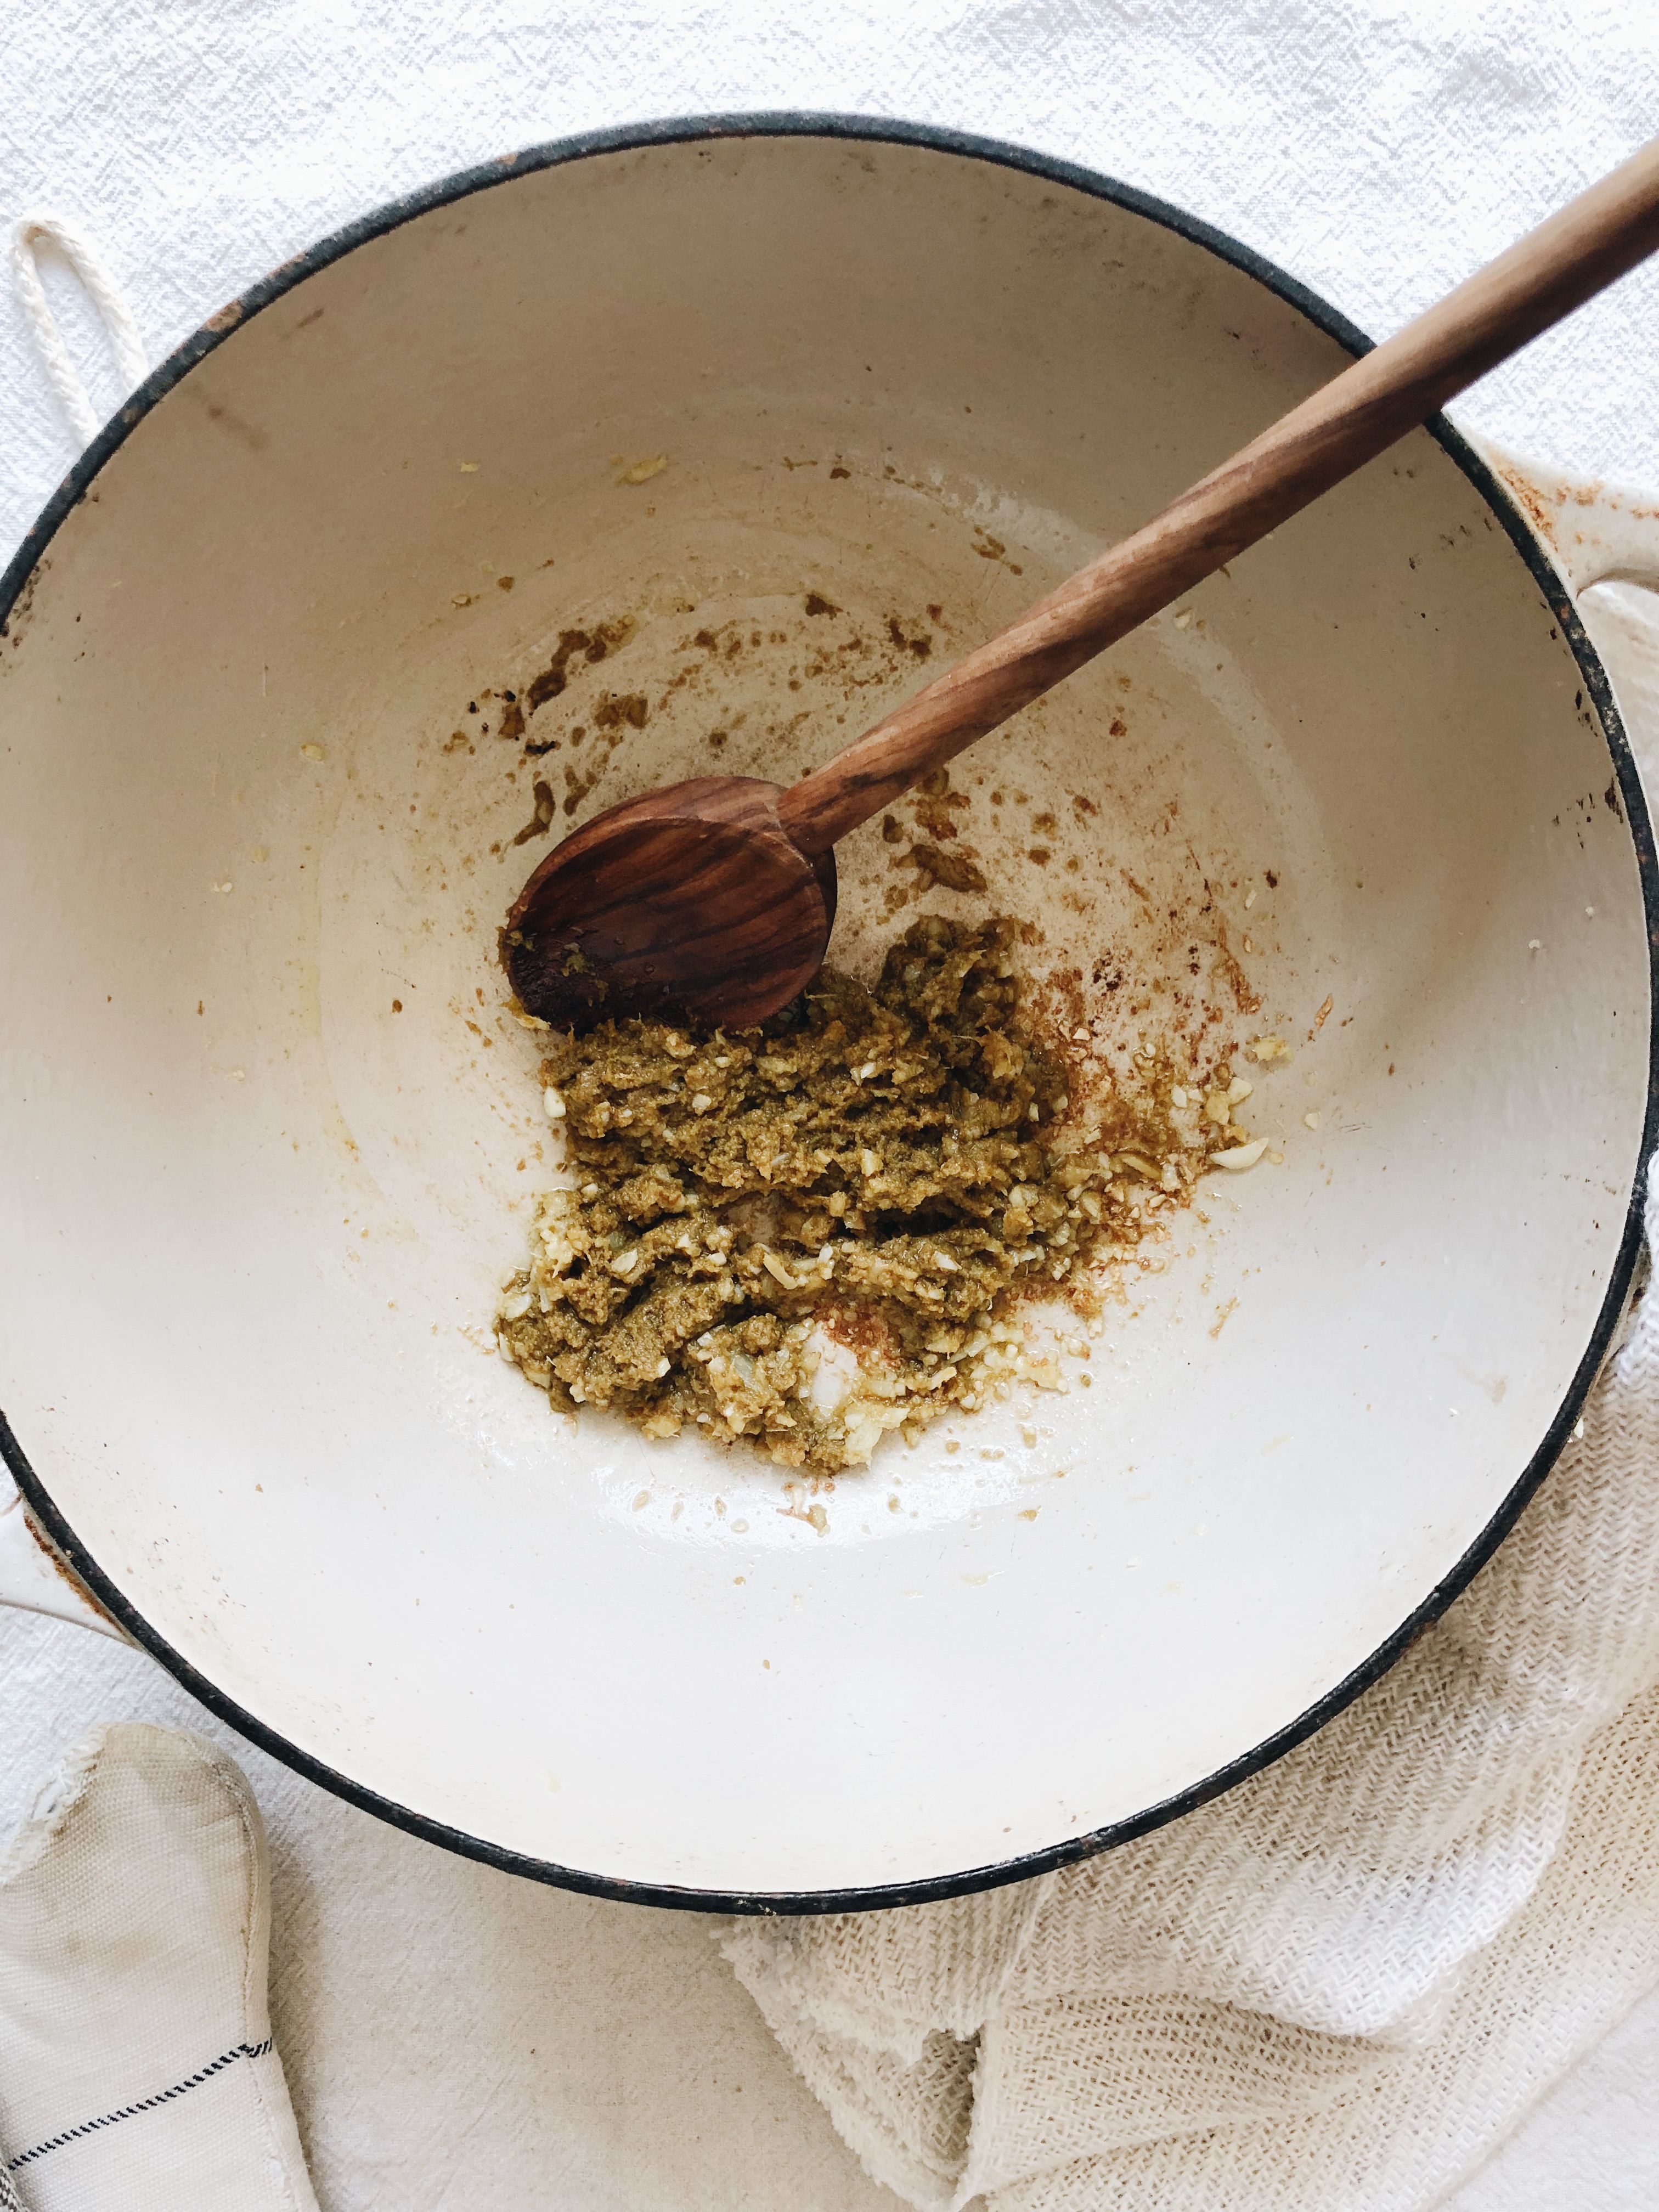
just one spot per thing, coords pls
(806, 1235)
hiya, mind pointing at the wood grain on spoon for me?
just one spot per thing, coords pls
(716, 913)
(690, 899)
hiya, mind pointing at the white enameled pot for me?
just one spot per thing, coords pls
(270, 1135)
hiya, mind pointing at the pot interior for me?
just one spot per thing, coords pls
(800, 419)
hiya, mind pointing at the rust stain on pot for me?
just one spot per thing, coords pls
(1534, 502)
(17, 621)
(67, 1574)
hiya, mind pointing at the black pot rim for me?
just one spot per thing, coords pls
(790, 124)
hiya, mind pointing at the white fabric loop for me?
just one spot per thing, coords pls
(106, 296)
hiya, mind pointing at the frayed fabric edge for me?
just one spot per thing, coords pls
(57, 1796)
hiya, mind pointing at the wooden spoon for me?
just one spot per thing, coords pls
(715, 898)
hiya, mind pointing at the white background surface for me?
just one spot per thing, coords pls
(455, 2038)
(1380, 149)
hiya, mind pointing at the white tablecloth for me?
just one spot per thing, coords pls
(454, 2038)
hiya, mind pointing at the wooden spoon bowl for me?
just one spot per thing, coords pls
(690, 899)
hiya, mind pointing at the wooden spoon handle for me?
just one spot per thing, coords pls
(1358, 414)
